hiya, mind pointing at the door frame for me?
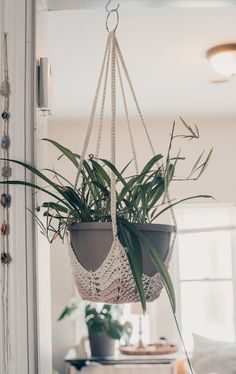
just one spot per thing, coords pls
(29, 302)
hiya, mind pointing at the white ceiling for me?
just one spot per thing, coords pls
(85, 4)
(164, 50)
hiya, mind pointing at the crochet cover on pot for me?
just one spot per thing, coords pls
(112, 281)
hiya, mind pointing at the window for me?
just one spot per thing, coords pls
(206, 273)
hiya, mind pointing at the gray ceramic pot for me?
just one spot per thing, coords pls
(91, 242)
(101, 345)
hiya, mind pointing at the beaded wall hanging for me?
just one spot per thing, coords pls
(5, 202)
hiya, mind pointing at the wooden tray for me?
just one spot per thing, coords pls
(150, 349)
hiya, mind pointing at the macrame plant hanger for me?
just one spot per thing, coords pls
(113, 281)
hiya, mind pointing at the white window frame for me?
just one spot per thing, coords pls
(232, 229)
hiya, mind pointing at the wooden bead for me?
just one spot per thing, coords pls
(5, 258)
(5, 200)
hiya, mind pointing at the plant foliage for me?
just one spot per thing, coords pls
(141, 198)
(102, 321)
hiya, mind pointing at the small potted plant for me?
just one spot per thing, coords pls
(104, 327)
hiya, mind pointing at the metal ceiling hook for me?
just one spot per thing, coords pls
(110, 10)
(110, 13)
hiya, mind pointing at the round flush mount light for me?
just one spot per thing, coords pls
(223, 59)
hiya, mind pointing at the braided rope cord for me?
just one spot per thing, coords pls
(120, 56)
(134, 96)
(113, 133)
(114, 53)
(92, 115)
(100, 129)
(127, 117)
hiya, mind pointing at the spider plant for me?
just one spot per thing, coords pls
(140, 198)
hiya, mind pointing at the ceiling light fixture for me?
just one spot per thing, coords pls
(223, 59)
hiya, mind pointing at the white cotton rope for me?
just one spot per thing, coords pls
(145, 129)
(134, 96)
(92, 115)
(127, 118)
(100, 129)
(113, 132)
(116, 56)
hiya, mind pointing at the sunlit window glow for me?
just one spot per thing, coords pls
(205, 248)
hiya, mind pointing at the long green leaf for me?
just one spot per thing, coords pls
(59, 176)
(101, 174)
(126, 167)
(159, 191)
(194, 168)
(114, 170)
(194, 133)
(55, 206)
(157, 260)
(70, 193)
(135, 259)
(181, 201)
(38, 221)
(168, 176)
(103, 189)
(38, 173)
(205, 164)
(66, 152)
(154, 160)
(160, 266)
(32, 185)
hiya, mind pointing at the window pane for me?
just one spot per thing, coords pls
(207, 309)
(205, 255)
(199, 217)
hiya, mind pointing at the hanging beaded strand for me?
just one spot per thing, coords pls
(5, 202)
(5, 199)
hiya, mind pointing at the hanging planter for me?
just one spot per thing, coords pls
(101, 269)
(119, 252)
